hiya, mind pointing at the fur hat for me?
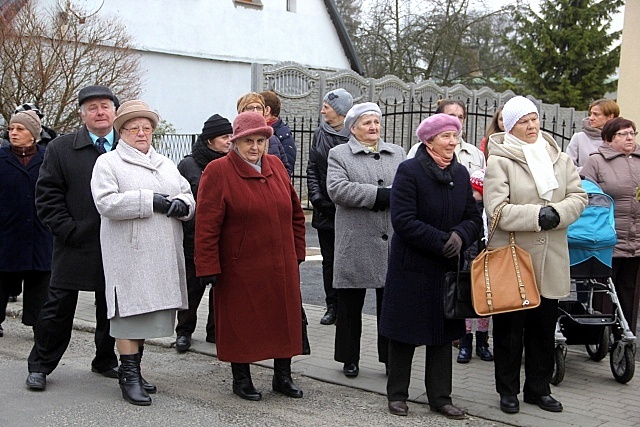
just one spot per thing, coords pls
(477, 180)
(215, 126)
(358, 110)
(516, 108)
(95, 91)
(30, 120)
(340, 100)
(250, 123)
(435, 125)
(132, 110)
(249, 98)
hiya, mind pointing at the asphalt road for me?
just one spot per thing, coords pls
(193, 390)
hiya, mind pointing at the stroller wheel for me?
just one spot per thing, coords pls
(622, 362)
(598, 351)
(558, 366)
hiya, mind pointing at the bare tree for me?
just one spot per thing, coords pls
(47, 57)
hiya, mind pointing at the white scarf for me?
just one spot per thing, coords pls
(538, 160)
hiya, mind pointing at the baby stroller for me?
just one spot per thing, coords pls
(591, 240)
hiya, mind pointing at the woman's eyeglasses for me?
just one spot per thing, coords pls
(134, 130)
(253, 108)
(626, 134)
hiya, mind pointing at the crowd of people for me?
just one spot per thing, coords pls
(107, 213)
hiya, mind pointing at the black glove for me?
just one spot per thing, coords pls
(208, 280)
(452, 246)
(326, 207)
(383, 199)
(548, 218)
(161, 203)
(178, 208)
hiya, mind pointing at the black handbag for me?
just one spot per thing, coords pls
(457, 295)
(306, 347)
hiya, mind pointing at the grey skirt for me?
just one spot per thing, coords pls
(155, 324)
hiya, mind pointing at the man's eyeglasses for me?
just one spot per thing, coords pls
(134, 130)
(626, 134)
(254, 108)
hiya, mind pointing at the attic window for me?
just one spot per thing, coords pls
(250, 3)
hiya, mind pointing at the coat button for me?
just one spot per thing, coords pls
(380, 181)
(262, 180)
(376, 156)
(542, 240)
(385, 237)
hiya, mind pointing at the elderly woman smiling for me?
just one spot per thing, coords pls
(359, 178)
(142, 199)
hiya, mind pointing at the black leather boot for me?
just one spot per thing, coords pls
(282, 381)
(330, 316)
(482, 346)
(465, 345)
(147, 386)
(242, 384)
(129, 378)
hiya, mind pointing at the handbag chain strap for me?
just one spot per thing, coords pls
(512, 243)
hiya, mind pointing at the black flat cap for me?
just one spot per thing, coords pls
(96, 91)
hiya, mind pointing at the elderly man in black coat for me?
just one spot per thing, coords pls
(65, 206)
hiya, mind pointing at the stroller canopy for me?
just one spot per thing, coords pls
(593, 235)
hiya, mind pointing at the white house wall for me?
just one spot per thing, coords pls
(196, 54)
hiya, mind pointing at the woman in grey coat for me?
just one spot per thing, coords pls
(142, 199)
(359, 178)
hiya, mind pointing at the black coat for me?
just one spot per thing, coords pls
(65, 205)
(324, 210)
(276, 148)
(423, 212)
(25, 243)
(284, 134)
(191, 168)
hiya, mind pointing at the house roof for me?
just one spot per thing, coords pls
(343, 35)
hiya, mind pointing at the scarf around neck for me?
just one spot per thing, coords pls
(440, 161)
(538, 160)
(202, 154)
(443, 176)
(593, 133)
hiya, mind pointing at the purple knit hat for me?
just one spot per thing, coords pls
(250, 123)
(435, 125)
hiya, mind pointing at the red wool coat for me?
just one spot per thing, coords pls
(250, 232)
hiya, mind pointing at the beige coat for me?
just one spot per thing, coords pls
(508, 178)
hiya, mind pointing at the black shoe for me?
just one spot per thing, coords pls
(242, 384)
(1, 331)
(330, 316)
(547, 403)
(37, 381)
(451, 412)
(109, 373)
(509, 404)
(211, 338)
(12, 298)
(183, 343)
(482, 346)
(147, 386)
(465, 349)
(398, 407)
(350, 370)
(129, 379)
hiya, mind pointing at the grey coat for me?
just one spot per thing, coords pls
(363, 236)
(141, 249)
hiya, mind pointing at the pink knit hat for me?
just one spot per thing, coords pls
(250, 123)
(435, 125)
(477, 180)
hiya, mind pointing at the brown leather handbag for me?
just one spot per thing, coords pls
(503, 279)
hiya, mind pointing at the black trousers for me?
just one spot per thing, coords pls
(36, 284)
(625, 277)
(437, 374)
(53, 332)
(533, 330)
(187, 319)
(327, 240)
(349, 326)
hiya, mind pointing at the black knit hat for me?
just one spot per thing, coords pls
(215, 125)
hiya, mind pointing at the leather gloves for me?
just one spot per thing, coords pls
(383, 199)
(548, 218)
(452, 246)
(326, 207)
(208, 280)
(178, 208)
(161, 203)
